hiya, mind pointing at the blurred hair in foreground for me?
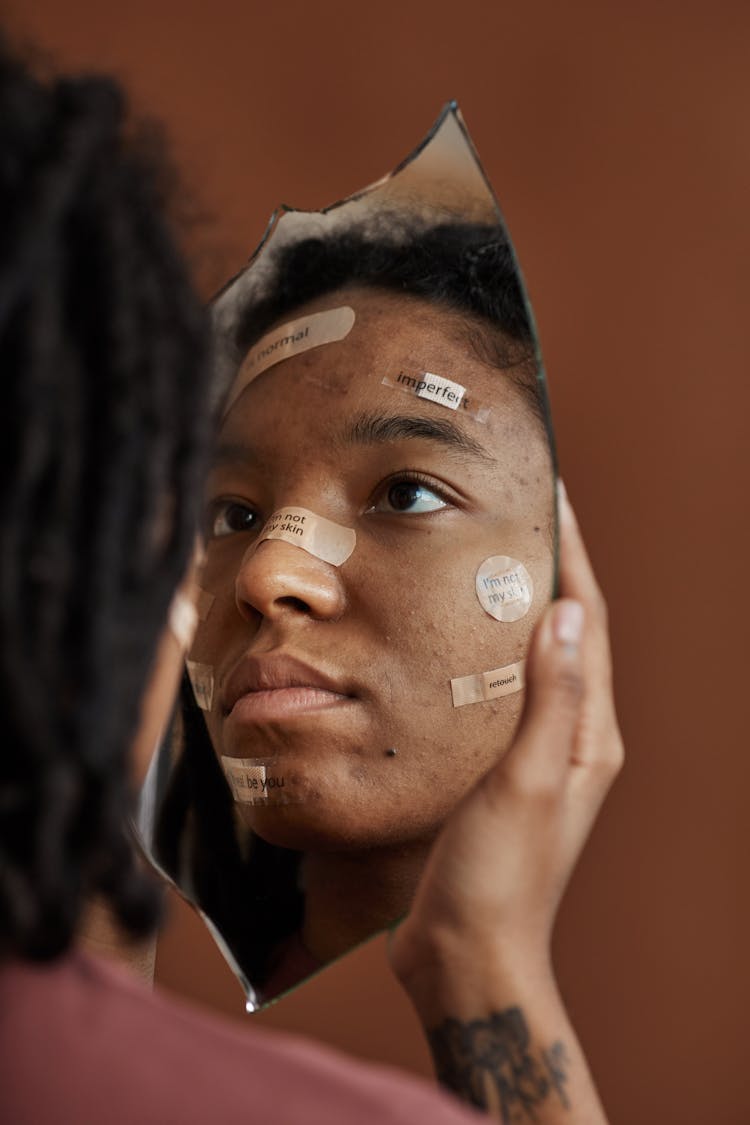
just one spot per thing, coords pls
(104, 436)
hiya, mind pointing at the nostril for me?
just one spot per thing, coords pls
(294, 603)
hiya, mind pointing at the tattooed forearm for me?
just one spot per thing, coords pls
(489, 1062)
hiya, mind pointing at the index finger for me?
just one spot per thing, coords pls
(577, 581)
(577, 578)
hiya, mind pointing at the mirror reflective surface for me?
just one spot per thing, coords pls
(380, 540)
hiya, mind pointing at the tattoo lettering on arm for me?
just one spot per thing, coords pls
(489, 1062)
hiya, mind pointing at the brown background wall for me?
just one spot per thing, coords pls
(617, 138)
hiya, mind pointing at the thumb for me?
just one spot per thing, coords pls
(544, 744)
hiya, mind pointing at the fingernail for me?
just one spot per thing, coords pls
(563, 503)
(567, 623)
(565, 509)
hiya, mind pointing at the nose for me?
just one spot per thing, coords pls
(276, 578)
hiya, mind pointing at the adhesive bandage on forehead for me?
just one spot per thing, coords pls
(256, 781)
(438, 389)
(317, 535)
(288, 340)
(504, 588)
(489, 685)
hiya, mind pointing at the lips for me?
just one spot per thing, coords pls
(281, 677)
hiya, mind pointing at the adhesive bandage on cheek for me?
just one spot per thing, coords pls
(489, 685)
(288, 340)
(256, 781)
(182, 620)
(201, 677)
(438, 389)
(204, 603)
(318, 536)
(505, 591)
(504, 588)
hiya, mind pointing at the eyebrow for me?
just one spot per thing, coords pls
(235, 453)
(377, 429)
(372, 429)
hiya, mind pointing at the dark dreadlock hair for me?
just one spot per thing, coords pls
(105, 431)
(468, 268)
(251, 891)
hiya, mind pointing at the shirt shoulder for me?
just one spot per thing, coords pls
(80, 1040)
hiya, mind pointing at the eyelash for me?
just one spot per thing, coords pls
(410, 476)
(221, 506)
(405, 476)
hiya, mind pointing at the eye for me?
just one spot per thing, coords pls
(405, 494)
(227, 517)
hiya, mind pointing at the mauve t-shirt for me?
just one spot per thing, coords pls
(81, 1043)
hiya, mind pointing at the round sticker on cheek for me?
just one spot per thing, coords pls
(504, 588)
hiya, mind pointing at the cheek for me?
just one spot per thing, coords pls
(213, 632)
(437, 629)
(205, 658)
(410, 796)
(442, 632)
(217, 606)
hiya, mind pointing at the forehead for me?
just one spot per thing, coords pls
(394, 341)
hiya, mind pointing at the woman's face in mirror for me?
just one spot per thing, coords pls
(360, 656)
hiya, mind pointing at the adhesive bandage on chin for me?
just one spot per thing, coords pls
(504, 588)
(288, 340)
(318, 536)
(438, 389)
(256, 781)
(489, 685)
(201, 677)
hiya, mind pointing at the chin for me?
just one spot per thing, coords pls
(314, 827)
(300, 826)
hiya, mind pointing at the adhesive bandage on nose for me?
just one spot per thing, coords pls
(201, 677)
(504, 588)
(255, 781)
(288, 340)
(489, 685)
(318, 536)
(436, 388)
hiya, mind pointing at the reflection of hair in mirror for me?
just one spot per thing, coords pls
(467, 267)
(104, 435)
(251, 893)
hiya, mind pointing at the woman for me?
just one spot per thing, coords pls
(105, 436)
(103, 350)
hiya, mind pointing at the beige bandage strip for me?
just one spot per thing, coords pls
(290, 339)
(318, 536)
(203, 603)
(489, 685)
(202, 678)
(436, 388)
(183, 620)
(254, 781)
(505, 588)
